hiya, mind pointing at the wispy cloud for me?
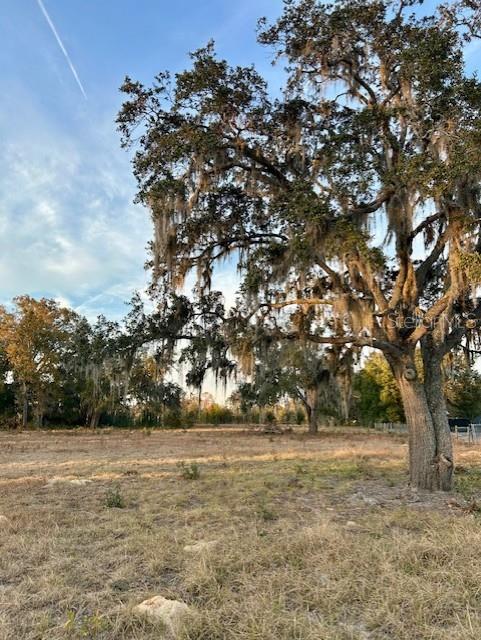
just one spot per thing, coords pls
(89, 250)
(62, 47)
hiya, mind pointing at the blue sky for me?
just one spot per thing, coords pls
(68, 228)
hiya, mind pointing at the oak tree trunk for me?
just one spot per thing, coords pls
(25, 406)
(434, 389)
(312, 409)
(430, 449)
(39, 418)
(95, 418)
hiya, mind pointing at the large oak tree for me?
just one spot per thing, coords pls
(352, 199)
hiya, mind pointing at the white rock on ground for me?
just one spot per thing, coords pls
(201, 546)
(77, 482)
(171, 612)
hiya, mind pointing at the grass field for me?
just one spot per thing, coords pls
(316, 537)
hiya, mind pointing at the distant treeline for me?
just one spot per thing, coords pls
(59, 370)
(56, 368)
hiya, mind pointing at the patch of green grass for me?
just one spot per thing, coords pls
(114, 498)
(189, 471)
(301, 469)
(89, 626)
(468, 482)
(267, 513)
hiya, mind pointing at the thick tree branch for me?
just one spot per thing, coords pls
(424, 268)
(425, 224)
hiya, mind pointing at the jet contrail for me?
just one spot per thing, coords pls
(61, 45)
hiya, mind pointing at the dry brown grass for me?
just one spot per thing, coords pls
(319, 538)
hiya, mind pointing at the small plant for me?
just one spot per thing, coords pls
(189, 471)
(301, 469)
(70, 624)
(266, 513)
(85, 627)
(114, 498)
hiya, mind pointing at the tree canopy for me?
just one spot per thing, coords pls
(318, 379)
(351, 200)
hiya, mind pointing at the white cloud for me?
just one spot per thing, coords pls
(68, 226)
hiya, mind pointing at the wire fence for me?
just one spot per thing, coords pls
(470, 432)
(391, 427)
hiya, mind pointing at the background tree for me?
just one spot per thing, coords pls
(377, 396)
(33, 337)
(73, 375)
(463, 389)
(309, 375)
(152, 394)
(378, 124)
(106, 365)
(7, 395)
(70, 372)
(178, 332)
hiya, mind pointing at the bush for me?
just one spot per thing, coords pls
(216, 414)
(114, 499)
(173, 420)
(300, 416)
(189, 471)
(270, 417)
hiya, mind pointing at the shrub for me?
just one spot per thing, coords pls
(270, 417)
(266, 513)
(114, 499)
(189, 471)
(300, 416)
